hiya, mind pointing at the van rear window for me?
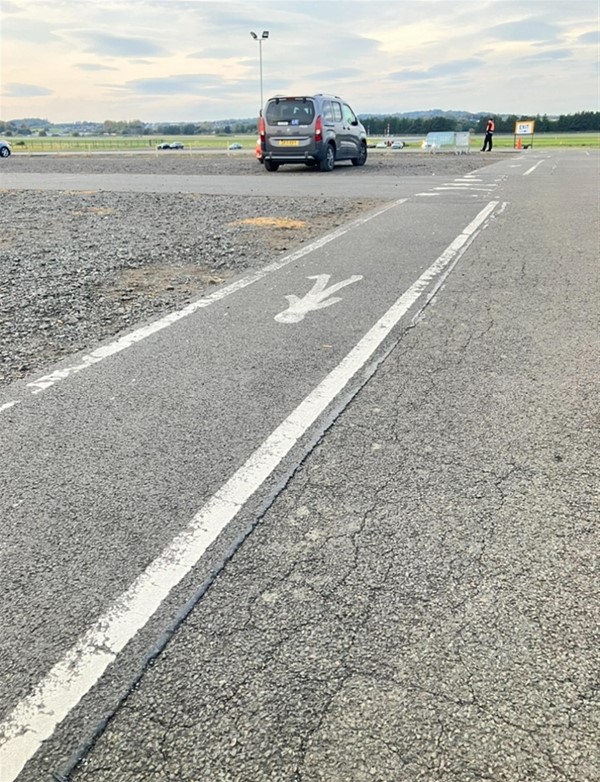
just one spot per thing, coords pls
(290, 111)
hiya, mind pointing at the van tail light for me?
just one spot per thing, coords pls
(319, 129)
(261, 130)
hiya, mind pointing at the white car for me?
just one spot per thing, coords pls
(4, 148)
(390, 144)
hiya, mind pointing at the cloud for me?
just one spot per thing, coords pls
(592, 38)
(337, 74)
(532, 29)
(120, 45)
(10, 8)
(30, 31)
(549, 56)
(90, 66)
(440, 71)
(219, 53)
(154, 57)
(182, 84)
(18, 90)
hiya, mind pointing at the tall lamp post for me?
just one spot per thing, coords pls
(263, 37)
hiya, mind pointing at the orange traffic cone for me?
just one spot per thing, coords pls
(519, 145)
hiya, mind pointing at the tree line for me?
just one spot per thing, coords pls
(566, 123)
(376, 125)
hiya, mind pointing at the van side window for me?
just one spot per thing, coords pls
(327, 111)
(337, 111)
(349, 115)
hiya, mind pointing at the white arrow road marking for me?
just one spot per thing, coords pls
(316, 299)
(128, 340)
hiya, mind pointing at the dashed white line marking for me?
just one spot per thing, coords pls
(533, 168)
(35, 718)
(464, 189)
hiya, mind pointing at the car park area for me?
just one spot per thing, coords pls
(119, 257)
(413, 590)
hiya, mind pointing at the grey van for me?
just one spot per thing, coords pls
(316, 130)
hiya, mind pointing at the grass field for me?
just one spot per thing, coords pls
(139, 143)
(544, 140)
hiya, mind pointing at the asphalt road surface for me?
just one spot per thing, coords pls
(338, 521)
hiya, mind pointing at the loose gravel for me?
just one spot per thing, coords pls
(77, 268)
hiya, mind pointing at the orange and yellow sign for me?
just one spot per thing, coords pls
(524, 127)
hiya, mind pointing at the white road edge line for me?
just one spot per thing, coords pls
(533, 168)
(35, 718)
(126, 341)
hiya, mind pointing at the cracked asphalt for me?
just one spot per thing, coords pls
(421, 603)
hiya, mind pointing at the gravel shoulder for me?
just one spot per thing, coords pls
(77, 268)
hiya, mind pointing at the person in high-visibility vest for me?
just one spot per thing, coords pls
(489, 132)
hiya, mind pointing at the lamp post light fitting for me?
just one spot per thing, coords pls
(263, 37)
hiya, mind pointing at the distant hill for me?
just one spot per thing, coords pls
(83, 125)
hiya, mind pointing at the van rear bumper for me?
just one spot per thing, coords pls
(279, 156)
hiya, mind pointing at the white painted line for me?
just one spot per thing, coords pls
(533, 168)
(429, 195)
(444, 276)
(42, 383)
(467, 188)
(35, 718)
(8, 405)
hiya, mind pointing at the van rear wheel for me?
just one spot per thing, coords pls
(362, 156)
(270, 165)
(328, 161)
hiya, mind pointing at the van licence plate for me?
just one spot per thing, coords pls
(289, 143)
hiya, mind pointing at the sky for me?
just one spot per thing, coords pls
(191, 60)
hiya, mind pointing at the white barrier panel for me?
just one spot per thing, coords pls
(448, 141)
